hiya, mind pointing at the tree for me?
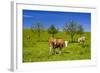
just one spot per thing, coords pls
(37, 28)
(52, 30)
(71, 28)
(80, 30)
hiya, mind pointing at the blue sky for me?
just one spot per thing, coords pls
(58, 19)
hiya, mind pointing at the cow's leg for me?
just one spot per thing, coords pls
(60, 51)
(56, 50)
(50, 50)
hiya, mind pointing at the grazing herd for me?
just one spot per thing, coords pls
(56, 45)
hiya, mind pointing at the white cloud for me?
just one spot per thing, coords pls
(28, 16)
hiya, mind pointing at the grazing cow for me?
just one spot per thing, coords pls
(56, 45)
(81, 40)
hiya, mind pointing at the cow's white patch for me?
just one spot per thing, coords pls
(66, 43)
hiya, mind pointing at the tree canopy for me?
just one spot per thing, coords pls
(52, 30)
(73, 28)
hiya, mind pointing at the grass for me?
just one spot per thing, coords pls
(37, 51)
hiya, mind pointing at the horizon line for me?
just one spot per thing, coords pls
(58, 30)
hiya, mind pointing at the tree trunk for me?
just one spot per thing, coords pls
(53, 35)
(72, 38)
(38, 35)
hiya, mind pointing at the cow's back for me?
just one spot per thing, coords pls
(60, 43)
(55, 43)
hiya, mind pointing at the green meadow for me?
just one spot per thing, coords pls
(37, 49)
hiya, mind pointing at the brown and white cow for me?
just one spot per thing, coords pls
(81, 40)
(56, 45)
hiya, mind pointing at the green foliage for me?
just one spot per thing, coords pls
(52, 30)
(80, 30)
(73, 28)
(37, 28)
